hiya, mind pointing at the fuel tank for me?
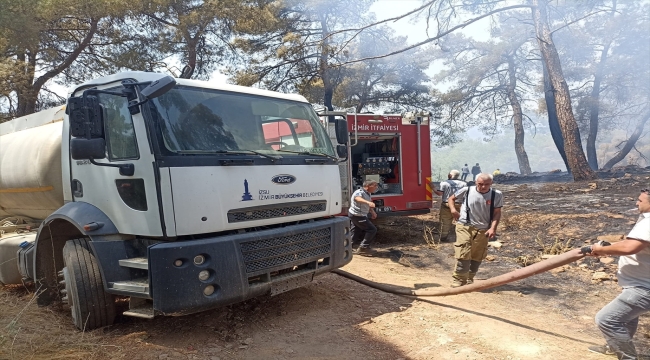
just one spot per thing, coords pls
(30, 165)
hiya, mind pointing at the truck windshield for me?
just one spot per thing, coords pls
(197, 120)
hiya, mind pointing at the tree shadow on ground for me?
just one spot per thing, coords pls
(523, 289)
(510, 322)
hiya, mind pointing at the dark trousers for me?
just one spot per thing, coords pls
(363, 231)
(464, 176)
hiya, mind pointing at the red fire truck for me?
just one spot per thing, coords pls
(395, 151)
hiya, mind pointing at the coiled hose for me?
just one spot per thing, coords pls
(540, 267)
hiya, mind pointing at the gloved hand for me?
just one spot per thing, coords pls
(587, 249)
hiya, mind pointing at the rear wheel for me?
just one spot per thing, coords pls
(91, 306)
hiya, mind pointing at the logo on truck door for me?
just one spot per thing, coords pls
(247, 195)
(283, 179)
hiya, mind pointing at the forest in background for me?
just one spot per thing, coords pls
(543, 154)
(580, 65)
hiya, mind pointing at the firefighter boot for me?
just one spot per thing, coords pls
(470, 278)
(473, 269)
(459, 279)
(461, 274)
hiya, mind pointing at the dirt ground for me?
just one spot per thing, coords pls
(548, 316)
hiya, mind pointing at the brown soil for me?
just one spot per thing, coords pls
(548, 316)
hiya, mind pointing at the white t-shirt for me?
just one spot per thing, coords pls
(634, 270)
(479, 206)
(450, 187)
(358, 208)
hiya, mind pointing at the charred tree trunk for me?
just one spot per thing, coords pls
(594, 104)
(572, 146)
(629, 144)
(522, 157)
(553, 123)
(594, 108)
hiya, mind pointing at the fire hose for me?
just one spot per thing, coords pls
(540, 267)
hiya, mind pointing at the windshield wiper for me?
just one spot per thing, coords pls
(235, 152)
(305, 152)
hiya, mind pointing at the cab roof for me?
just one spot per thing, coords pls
(141, 76)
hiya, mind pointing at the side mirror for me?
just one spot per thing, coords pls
(341, 127)
(342, 151)
(86, 117)
(158, 87)
(83, 149)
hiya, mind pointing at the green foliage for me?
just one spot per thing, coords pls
(398, 81)
(41, 40)
(302, 54)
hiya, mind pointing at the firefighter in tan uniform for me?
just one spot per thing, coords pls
(477, 222)
(447, 189)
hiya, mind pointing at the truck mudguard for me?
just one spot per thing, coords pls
(65, 224)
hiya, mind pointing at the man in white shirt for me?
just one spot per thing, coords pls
(619, 319)
(478, 219)
(465, 171)
(363, 230)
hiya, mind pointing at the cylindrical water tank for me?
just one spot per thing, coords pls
(31, 182)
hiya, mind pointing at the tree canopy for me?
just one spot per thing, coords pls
(584, 62)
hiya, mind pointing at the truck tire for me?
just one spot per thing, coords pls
(90, 305)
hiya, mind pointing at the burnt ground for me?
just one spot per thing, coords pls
(547, 316)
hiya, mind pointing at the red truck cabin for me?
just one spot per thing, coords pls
(385, 148)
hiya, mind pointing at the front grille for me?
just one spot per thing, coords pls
(275, 211)
(269, 253)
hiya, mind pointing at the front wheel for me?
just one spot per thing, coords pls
(91, 306)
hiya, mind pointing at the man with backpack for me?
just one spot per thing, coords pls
(447, 189)
(478, 219)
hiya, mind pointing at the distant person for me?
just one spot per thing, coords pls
(619, 319)
(363, 230)
(476, 169)
(448, 188)
(496, 172)
(465, 171)
(477, 223)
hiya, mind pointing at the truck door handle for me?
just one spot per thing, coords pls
(77, 188)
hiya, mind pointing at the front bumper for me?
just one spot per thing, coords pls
(403, 213)
(245, 265)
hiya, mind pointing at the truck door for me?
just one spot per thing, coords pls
(131, 202)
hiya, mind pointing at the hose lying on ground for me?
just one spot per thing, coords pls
(542, 266)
